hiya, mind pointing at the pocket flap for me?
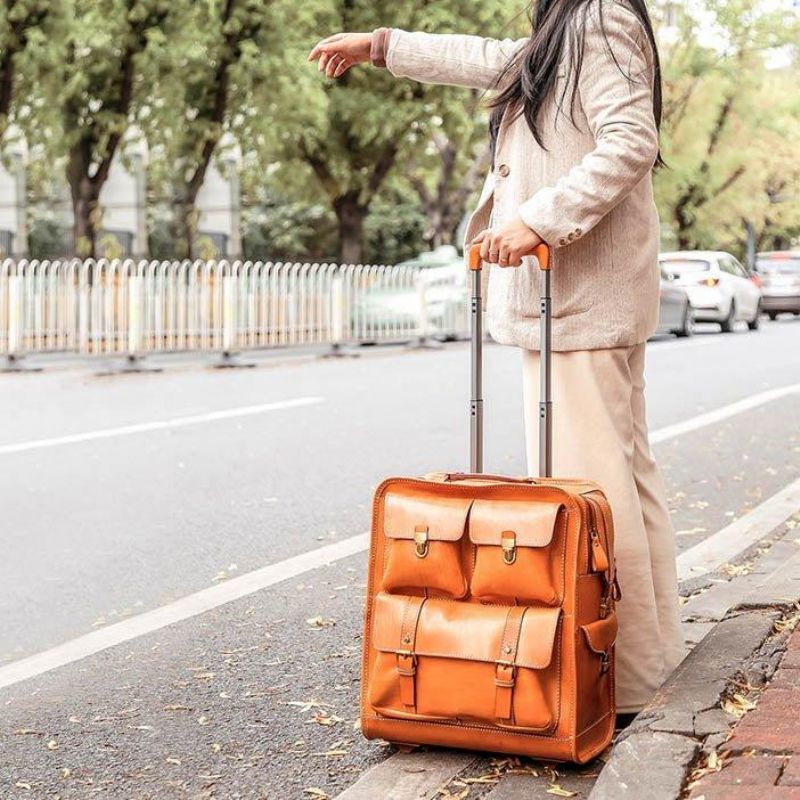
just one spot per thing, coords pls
(532, 523)
(467, 631)
(406, 510)
(601, 634)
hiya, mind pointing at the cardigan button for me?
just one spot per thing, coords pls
(504, 170)
(562, 241)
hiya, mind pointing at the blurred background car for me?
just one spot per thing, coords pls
(720, 289)
(676, 314)
(435, 286)
(779, 273)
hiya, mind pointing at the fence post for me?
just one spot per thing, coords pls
(230, 324)
(337, 326)
(424, 340)
(15, 350)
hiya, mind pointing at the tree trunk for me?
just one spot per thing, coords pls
(350, 214)
(85, 209)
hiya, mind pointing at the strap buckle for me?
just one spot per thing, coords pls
(505, 676)
(406, 663)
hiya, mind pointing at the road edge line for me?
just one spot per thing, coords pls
(185, 608)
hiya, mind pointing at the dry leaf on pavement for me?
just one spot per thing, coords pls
(555, 789)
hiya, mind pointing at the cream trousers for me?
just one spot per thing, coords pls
(600, 433)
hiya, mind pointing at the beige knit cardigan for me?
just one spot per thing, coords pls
(588, 193)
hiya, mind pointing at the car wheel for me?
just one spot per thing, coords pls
(727, 325)
(688, 326)
(755, 323)
(772, 315)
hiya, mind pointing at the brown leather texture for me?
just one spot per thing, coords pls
(490, 621)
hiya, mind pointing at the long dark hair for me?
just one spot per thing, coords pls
(530, 78)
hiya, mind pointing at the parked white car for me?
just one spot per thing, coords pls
(719, 287)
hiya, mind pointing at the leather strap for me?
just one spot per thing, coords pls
(406, 658)
(505, 673)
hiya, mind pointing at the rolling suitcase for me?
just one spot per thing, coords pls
(490, 619)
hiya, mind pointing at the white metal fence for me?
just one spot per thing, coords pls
(133, 308)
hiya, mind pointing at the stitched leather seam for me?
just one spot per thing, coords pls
(445, 724)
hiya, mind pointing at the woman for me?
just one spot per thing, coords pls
(575, 138)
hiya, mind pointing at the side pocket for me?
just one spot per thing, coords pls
(424, 549)
(595, 669)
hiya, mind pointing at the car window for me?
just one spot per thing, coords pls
(685, 266)
(739, 269)
(779, 262)
(726, 265)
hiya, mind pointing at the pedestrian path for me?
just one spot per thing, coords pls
(761, 760)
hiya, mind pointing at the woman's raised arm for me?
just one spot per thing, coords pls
(452, 59)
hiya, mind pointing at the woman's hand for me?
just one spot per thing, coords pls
(339, 52)
(507, 245)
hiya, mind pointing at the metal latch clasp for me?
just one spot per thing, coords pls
(421, 543)
(508, 541)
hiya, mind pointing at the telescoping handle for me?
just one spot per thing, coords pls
(542, 253)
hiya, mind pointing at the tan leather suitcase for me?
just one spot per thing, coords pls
(490, 620)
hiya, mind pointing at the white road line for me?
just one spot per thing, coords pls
(724, 545)
(186, 607)
(722, 413)
(158, 425)
(735, 538)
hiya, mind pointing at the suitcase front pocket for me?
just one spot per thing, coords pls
(519, 551)
(442, 660)
(424, 551)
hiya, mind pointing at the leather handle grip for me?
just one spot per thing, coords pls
(541, 251)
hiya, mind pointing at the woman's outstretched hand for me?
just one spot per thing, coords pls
(507, 245)
(339, 52)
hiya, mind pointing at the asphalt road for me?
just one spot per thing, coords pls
(97, 529)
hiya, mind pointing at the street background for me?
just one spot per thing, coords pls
(258, 698)
(182, 553)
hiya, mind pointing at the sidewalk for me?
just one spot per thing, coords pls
(762, 757)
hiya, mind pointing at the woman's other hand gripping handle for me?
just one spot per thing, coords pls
(540, 251)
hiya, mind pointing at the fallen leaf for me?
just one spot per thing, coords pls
(690, 531)
(555, 789)
(176, 707)
(320, 622)
(204, 720)
(315, 792)
(23, 785)
(175, 761)
(52, 745)
(323, 718)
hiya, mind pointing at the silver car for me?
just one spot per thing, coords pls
(779, 273)
(675, 314)
(719, 287)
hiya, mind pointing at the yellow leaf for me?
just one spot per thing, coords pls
(555, 789)
(52, 745)
(315, 792)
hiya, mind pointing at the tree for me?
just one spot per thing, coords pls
(451, 167)
(23, 24)
(353, 134)
(715, 121)
(222, 48)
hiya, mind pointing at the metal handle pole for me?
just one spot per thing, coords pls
(542, 253)
(545, 373)
(476, 360)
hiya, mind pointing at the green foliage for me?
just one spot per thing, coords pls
(729, 126)
(368, 168)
